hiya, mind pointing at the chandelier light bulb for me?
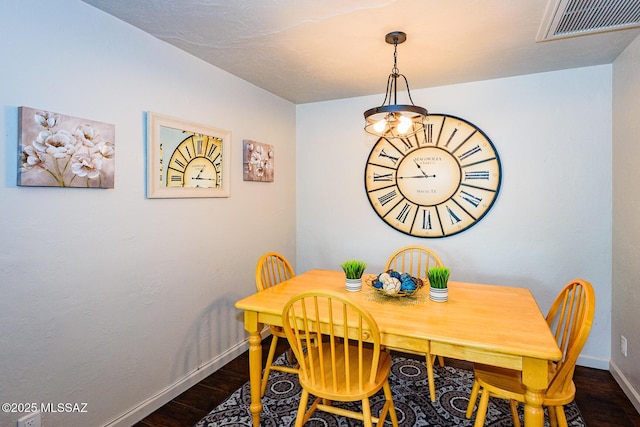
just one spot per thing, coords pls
(380, 125)
(404, 125)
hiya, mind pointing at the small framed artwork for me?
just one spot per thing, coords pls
(258, 159)
(186, 159)
(64, 151)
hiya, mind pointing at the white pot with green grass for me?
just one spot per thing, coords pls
(353, 270)
(438, 279)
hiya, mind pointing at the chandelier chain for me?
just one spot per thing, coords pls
(395, 70)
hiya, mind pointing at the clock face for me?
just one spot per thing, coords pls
(436, 183)
(196, 163)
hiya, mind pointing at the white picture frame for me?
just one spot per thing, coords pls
(198, 154)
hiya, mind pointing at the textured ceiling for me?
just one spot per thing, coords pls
(316, 50)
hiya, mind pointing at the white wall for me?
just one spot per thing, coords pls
(96, 308)
(551, 222)
(626, 227)
(110, 298)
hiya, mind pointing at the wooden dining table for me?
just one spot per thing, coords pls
(495, 325)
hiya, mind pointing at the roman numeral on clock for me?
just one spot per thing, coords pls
(382, 176)
(426, 220)
(407, 143)
(404, 212)
(387, 197)
(451, 137)
(452, 216)
(476, 175)
(428, 133)
(393, 159)
(211, 150)
(474, 200)
(468, 153)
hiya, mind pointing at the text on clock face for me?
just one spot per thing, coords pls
(425, 160)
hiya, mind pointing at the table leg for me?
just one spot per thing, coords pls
(535, 379)
(255, 363)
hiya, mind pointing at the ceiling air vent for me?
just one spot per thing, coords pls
(568, 18)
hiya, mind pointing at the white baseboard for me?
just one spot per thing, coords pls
(625, 385)
(592, 362)
(165, 396)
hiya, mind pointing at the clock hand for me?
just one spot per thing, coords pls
(417, 176)
(205, 179)
(198, 176)
(423, 172)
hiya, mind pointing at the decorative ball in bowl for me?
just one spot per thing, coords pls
(395, 284)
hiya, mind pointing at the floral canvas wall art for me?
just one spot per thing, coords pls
(258, 161)
(64, 151)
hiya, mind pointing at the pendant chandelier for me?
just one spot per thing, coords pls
(393, 120)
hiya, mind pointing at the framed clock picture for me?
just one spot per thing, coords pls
(186, 159)
(436, 183)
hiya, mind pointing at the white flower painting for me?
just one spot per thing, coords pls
(64, 151)
(258, 161)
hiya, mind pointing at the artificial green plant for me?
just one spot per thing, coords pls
(353, 269)
(438, 277)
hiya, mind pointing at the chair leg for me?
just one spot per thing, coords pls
(366, 413)
(562, 417)
(267, 366)
(300, 416)
(513, 405)
(553, 420)
(290, 358)
(392, 408)
(432, 384)
(473, 398)
(481, 413)
(441, 361)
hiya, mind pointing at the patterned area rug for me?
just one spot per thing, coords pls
(408, 380)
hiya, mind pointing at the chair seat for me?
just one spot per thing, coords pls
(507, 383)
(494, 379)
(346, 389)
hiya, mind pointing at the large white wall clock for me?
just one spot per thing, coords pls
(436, 183)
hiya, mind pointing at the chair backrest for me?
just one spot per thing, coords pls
(415, 260)
(324, 365)
(570, 318)
(272, 268)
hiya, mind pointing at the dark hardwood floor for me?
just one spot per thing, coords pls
(599, 397)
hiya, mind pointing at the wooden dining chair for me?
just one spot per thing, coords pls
(570, 318)
(273, 268)
(346, 363)
(417, 260)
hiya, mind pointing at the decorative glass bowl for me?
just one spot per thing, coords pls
(394, 289)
